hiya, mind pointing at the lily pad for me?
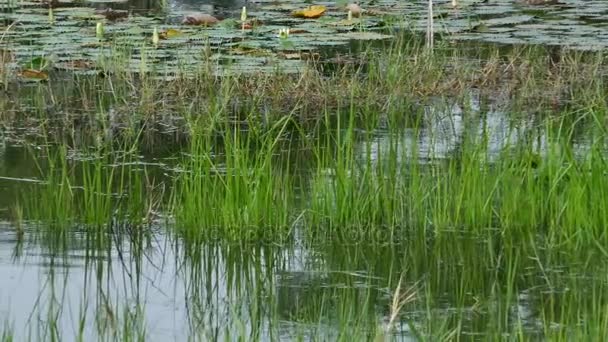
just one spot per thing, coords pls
(365, 35)
(31, 74)
(312, 12)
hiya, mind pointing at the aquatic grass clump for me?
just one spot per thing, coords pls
(347, 199)
(483, 233)
(94, 194)
(6, 334)
(236, 191)
(52, 201)
(555, 191)
(388, 81)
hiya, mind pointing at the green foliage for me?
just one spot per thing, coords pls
(235, 192)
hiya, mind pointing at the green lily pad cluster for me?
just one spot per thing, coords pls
(79, 37)
(83, 40)
(574, 24)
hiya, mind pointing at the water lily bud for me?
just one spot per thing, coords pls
(284, 33)
(244, 14)
(350, 15)
(454, 3)
(155, 37)
(99, 30)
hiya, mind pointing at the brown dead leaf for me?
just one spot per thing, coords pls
(200, 19)
(34, 74)
(291, 55)
(250, 24)
(75, 64)
(112, 14)
(298, 31)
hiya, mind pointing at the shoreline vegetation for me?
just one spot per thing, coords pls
(502, 238)
(387, 81)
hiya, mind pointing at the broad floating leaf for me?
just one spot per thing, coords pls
(244, 50)
(290, 55)
(113, 15)
(250, 24)
(311, 12)
(77, 64)
(511, 20)
(34, 74)
(538, 2)
(365, 35)
(170, 33)
(345, 22)
(298, 31)
(354, 9)
(37, 63)
(200, 19)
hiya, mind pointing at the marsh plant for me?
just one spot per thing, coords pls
(99, 195)
(237, 192)
(325, 203)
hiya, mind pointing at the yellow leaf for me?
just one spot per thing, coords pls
(34, 74)
(311, 12)
(170, 33)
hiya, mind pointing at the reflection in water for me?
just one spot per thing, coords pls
(205, 6)
(446, 127)
(173, 296)
(160, 286)
(145, 6)
(168, 291)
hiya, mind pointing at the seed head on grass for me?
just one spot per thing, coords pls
(400, 298)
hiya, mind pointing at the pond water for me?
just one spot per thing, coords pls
(154, 286)
(146, 278)
(67, 39)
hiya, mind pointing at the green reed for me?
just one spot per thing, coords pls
(235, 192)
(99, 193)
(476, 235)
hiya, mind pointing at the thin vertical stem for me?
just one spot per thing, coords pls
(429, 26)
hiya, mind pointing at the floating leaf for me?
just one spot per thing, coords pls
(511, 20)
(345, 22)
(34, 74)
(538, 2)
(290, 55)
(250, 24)
(311, 12)
(244, 50)
(113, 15)
(298, 31)
(37, 63)
(170, 33)
(77, 64)
(354, 9)
(200, 19)
(364, 35)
